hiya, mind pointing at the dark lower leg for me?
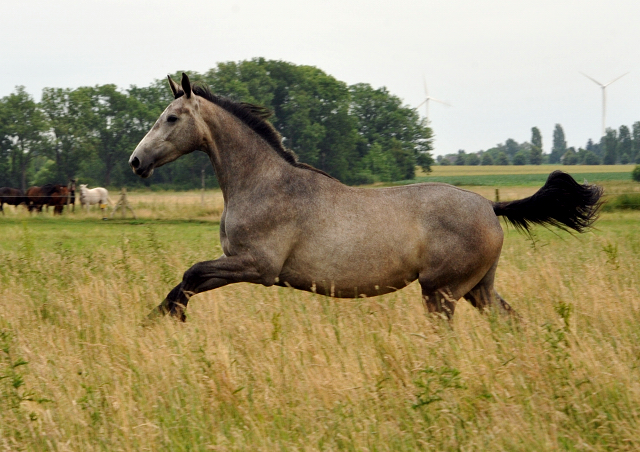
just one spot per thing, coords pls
(440, 302)
(506, 307)
(174, 304)
(483, 299)
(202, 277)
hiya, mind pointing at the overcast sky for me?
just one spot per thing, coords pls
(503, 65)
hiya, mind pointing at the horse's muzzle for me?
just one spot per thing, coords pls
(142, 171)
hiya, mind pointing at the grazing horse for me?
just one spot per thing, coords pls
(91, 196)
(48, 195)
(11, 196)
(286, 223)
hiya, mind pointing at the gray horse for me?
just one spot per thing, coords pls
(289, 224)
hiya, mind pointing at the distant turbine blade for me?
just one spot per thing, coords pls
(440, 101)
(426, 91)
(594, 80)
(616, 79)
(422, 103)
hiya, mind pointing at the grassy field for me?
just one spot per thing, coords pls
(268, 369)
(454, 170)
(526, 175)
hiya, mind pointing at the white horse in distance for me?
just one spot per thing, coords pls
(90, 196)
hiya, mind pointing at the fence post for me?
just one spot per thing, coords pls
(123, 204)
(497, 195)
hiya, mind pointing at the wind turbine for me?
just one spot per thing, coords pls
(427, 98)
(604, 96)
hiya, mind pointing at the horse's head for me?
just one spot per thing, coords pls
(178, 131)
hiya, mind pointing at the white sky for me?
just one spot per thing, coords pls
(504, 65)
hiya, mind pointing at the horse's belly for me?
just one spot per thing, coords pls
(350, 278)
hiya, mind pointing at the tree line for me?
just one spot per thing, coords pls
(356, 133)
(620, 146)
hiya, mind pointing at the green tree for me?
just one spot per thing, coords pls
(381, 118)
(596, 148)
(635, 174)
(23, 126)
(461, 158)
(635, 146)
(472, 160)
(502, 159)
(116, 127)
(352, 132)
(559, 145)
(625, 145)
(67, 113)
(520, 158)
(570, 157)
(328, 124)
(610, 145)
(590, 158)
(511, 148)
(487, 159)
(5, 149)
(312, 114)
(535, 153)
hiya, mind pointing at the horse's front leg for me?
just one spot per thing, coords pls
(208, 275)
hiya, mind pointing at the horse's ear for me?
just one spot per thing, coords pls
(186, 85)
(174, 87)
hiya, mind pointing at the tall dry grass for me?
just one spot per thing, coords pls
(275, 369)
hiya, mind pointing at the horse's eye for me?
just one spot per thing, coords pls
(172, 118)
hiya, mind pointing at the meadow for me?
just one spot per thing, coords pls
(526, 175)
(268, 369)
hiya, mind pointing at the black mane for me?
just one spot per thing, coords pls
(254, 117)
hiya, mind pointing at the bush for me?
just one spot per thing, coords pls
(590, 158)
(520, 158)
(635, 174)
(570, 158)
(472, 160)
(623, 202)
(487, 159)
(502, 159)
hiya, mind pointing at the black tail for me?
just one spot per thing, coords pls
(561, 202)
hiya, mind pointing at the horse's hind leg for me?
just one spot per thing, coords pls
(439, 302)
(484, 297)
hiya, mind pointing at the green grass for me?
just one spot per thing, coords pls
(502, 180)
(92, 234)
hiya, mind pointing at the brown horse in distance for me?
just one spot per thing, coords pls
(48, 195)
(11, 196)
(288, 224)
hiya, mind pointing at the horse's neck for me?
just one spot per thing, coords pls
(240, 157)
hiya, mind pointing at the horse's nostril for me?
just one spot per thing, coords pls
(135, 162)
